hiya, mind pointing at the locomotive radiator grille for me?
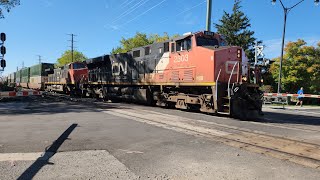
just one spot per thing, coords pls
(175, 76)
(188, 75)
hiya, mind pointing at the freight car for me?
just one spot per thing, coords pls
(39, 75)
(25, 77)
(195, 71)
(18, 77)
(11, 79)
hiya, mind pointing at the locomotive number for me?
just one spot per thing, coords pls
(182, 58)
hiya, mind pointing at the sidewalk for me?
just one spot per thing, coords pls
(292, 107)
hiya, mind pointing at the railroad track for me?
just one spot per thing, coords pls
(296, 151)
(264, 121)
(292, 150)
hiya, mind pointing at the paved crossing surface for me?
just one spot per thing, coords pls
(59, 139)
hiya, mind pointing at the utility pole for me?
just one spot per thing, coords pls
(22, 64)
(72, 47)
(39, 59)
(286, 11)
(209, 10)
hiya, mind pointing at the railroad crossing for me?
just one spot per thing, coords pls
(58, 137)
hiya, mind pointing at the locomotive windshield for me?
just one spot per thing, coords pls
(78, 66)
(205, 41)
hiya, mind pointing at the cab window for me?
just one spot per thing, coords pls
(173, 47)
(147, 51)
(136, 53)
(206, 41)
(184, 44)
(166, 47)
(78, 66)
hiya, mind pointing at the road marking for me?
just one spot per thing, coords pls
(131, 152)
(23, 156)
(175, 121)
(292, 150)
(234, 127)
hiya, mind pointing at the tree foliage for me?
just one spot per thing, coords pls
(66, 58)
(300, 67)
(235, 28)
(7, 5)
(140, 39)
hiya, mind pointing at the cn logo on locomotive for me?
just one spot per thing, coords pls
(119, 68)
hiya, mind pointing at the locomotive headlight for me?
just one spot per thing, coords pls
(239, 53)
(244, 78)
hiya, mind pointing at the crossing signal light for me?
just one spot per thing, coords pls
(3, 37)
(3, 50)
(3, 63)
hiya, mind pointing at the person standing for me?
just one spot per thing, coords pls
(300, 97)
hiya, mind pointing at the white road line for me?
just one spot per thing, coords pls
(233, 127)
(131, 152)
(161, 121)
(24, 156)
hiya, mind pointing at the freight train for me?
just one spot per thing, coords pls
(33, 77)
(197, 71)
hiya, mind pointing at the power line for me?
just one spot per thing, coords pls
(130, 10)
(165, 19)
(184, 11)
(144, 12)
(126, 3)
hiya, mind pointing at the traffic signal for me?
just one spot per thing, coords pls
(3, 50)
(3, 37)
(3, 63)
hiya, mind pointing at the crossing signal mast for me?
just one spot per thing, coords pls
(3, 51)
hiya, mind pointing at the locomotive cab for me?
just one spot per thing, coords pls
(78, 72)
(203, 60)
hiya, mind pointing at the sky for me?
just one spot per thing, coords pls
(41, 27)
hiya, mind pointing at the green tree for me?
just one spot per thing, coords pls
(7, 5)
(235, 28)
(140, 39)
(66, 58)
(300, 67)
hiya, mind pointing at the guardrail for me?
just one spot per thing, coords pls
(284, 98)
(19, 93)
(290, 95)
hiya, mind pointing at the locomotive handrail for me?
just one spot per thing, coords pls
(230, 78)
(217, 84)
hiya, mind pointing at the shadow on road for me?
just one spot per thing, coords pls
(44, 106)
(281, 118)
(44, 160)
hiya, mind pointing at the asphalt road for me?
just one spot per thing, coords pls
(58, 139)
